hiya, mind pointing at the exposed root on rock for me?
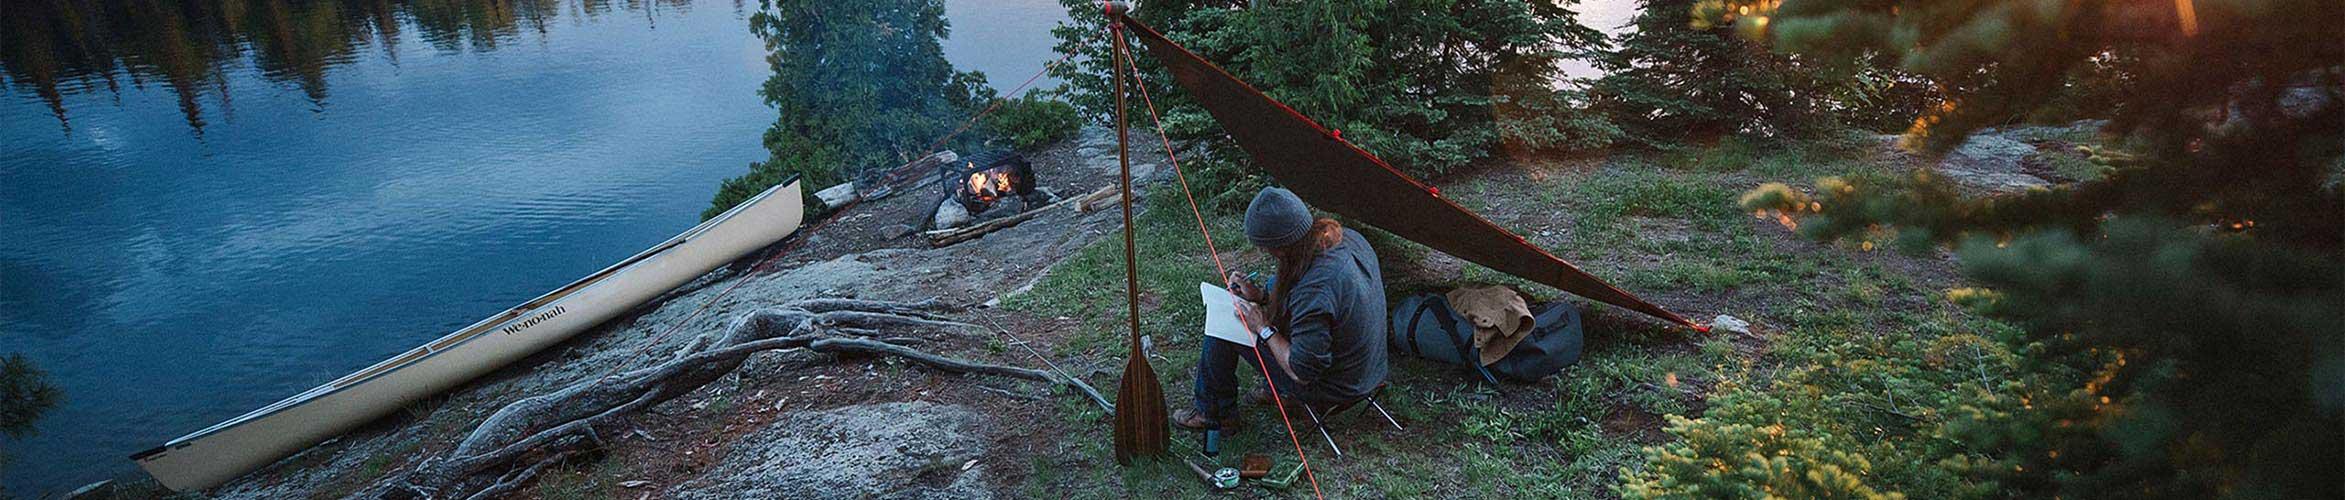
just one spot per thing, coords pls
(515, 443)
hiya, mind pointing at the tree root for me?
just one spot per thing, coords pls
(513, 480)
(514, 444)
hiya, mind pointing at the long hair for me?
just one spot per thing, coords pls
(1295, 259)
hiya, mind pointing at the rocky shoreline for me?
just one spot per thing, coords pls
(778, 426)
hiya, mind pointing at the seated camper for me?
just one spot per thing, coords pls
(1321, 325)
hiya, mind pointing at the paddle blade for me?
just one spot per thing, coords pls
(1141, 429)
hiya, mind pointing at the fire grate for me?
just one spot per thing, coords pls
(986, 186)
(982, 181)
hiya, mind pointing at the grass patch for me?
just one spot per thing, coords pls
(1827, 154)
(1652, 221)
(1090, 285)
(1601, 204)
(1660, 383)
(2071, 165)
(1700, 276)
(1729, 154)
(369, 470)
(582, 480)
(2068, 134)
(1172, 260)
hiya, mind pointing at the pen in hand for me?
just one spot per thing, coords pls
(1243, 286)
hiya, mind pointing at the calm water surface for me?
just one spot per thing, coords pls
(226, 221)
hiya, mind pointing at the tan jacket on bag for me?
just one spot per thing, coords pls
(1501, 318)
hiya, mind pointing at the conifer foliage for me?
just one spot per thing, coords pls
(2200, 282)
(25, 393)
(1430, 85)
(1676, 75)
(1672, 78)
(859, 84)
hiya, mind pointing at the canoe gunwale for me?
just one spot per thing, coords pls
(467, 334)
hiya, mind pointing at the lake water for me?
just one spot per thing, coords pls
(1613, 17)
(270, 195)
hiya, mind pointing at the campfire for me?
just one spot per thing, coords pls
(981, 187)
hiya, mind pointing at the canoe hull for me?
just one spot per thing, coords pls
(217, 454)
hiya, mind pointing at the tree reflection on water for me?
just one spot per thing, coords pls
(55, 48)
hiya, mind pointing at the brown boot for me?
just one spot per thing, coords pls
(1190, 419)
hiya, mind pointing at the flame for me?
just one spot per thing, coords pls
(2187, 11)
(989, 185)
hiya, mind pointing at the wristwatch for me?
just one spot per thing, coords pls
(1264, 333)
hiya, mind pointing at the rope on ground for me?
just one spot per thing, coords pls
(1259, 360)
(1054, 367)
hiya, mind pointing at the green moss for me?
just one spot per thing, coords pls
(2074, 166)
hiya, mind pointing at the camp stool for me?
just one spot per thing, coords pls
(1334, 410)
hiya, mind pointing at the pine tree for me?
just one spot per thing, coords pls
(1674, 78)
(25, 393)
(859, 84)
(1431, 85)
(2203, 276)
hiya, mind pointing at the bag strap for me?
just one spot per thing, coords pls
(1464, 346)
(1473, 358)
(1486, 376)
(1423, 305)
(1466, 352)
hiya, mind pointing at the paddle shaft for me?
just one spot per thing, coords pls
(1141, 429)
(1124, 161)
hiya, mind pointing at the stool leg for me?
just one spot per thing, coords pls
(1322, 426)
(1387, 415)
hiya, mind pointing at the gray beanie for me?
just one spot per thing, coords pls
(1277, 218)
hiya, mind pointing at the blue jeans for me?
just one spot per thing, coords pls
(1217, 378)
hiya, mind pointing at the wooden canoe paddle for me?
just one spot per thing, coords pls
(1140, 427)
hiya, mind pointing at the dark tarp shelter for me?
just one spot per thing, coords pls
(1334, 175)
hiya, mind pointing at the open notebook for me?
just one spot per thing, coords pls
(1221, 315)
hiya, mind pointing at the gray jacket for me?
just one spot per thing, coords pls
(1337, 322)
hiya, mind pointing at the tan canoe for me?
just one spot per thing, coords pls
(222, 452)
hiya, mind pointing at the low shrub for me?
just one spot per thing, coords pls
(1032, 121)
